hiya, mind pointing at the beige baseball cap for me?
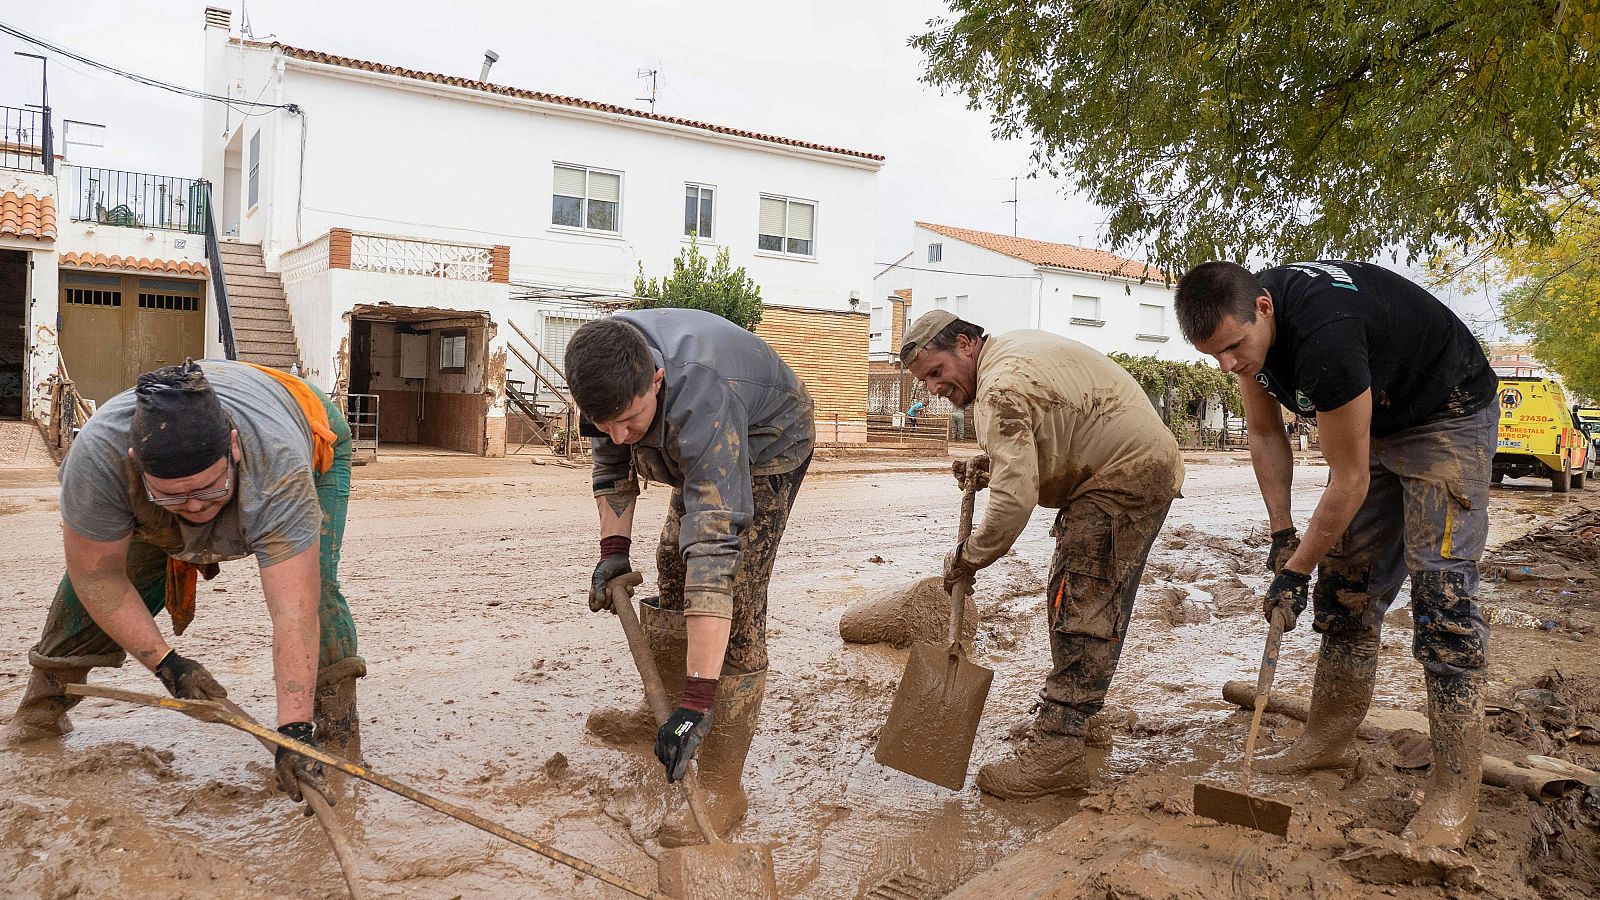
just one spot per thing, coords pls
(924, 329)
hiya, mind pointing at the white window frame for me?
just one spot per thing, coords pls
(787, 201)
(963, 301)
(1159, 337)
(699, 210)
(253, 194)
(583, 227)
(1095, 321)
(936, 252)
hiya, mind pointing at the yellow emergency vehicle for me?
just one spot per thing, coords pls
(1540, 436)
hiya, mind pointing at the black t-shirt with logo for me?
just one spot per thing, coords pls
(1343, 327)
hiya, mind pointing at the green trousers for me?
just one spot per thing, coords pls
(72, 640)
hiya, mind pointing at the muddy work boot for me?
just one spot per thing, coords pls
(338, 723)
(1455, 725)
(1340, 695)
(636, 727)
(43, 710)
(1050, 760)
(735, 713)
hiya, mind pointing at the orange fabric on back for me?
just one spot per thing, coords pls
(322, 436)
(181, 580)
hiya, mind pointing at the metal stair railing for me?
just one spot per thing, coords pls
(219, 283)
(573, 448)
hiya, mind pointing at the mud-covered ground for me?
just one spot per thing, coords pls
(466, 578)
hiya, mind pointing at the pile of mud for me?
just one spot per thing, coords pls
(918, 613)
(1549, 579)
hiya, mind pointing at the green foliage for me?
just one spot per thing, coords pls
(696, 283)
(1181, 383)
(1216, 129)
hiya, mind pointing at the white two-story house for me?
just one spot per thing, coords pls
(435, 239)
(1006, 283)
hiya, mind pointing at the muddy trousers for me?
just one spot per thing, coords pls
(758, 550)
(72, 643)
(1094, 578)
(1426, 514)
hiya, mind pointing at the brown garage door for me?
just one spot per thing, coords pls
(115, 326)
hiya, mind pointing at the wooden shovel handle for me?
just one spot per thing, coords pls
(1269, 670)
(655, 692)
(958, 597)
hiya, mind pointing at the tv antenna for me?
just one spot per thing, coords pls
(650, 74)
(1014, 204)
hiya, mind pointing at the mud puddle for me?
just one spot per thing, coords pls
(468, 590)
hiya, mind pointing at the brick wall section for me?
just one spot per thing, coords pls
(454, 422)
(828, 350)
(500, 264)
(338, 248)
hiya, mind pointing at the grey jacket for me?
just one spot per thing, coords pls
(730, 408)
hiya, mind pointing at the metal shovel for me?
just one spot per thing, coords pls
(934, 718)
(1242, 807)
(715, 869)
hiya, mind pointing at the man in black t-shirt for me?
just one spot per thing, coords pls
(1402, 395)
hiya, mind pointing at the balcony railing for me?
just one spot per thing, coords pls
(135, 199)
(410, 256)
(25, 140)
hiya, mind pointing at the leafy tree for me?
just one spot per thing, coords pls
(1557, 301)
(1181, 384)
(1289, 130)
(696, 283)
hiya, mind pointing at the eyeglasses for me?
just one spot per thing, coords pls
(207, 494)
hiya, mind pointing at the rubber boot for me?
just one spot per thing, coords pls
(1455, 729)
(669, 645)
(1050, 760)
(337, 720)
(1340, 695)
(43, 710)
(721, 759)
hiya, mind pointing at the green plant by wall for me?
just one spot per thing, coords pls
(697, 283)
(1181, 383)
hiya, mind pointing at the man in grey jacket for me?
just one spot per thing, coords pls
(688, 399)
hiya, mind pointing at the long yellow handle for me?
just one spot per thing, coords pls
(207, 711)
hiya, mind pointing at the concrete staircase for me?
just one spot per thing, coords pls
(261, 323)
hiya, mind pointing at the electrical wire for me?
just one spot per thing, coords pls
(232, 102)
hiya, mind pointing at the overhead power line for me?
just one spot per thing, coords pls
(143, 79)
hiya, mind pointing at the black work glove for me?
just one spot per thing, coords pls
(186, 679)
(680, 737)
(1284, 542)
(613, 562)
(1286, 597)
(292, 767)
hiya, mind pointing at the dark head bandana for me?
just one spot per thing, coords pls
(179, 428)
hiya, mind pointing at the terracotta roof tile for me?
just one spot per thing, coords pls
(28, 216)
(1055, 256)
(542, 97)
(133, 263)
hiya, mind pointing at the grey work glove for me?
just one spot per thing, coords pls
(611, 567)
(1284, 542)
(186, 679)
(1286, 597)
(958, 570)
(292, 768)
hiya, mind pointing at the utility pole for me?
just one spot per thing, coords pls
(1013, 202)
(650, 74)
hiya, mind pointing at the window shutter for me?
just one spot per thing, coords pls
(772, 216)
(1152, 319)
(800, 220)
(605, 186)
(569, 181)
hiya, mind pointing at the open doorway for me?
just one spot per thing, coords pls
(13, 331)
(427, 371)
(231, 188)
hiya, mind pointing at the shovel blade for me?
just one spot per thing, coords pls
(718, 871)
(1239, 808)
(934, 718)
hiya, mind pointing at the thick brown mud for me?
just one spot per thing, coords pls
(467, 579)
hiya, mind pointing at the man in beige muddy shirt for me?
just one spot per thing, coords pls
(1067, 428)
